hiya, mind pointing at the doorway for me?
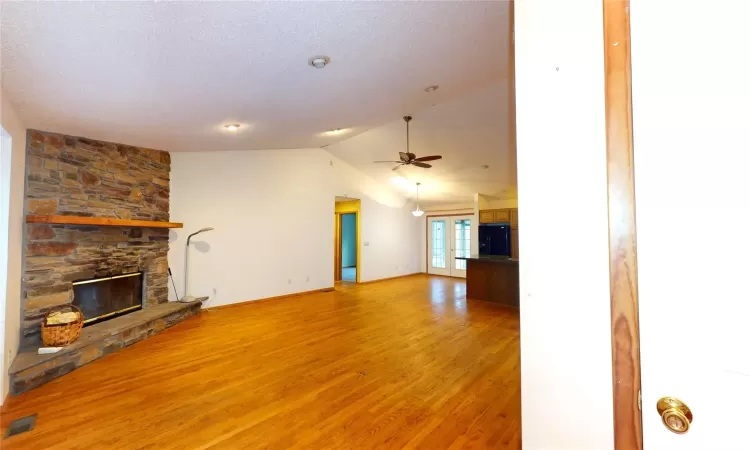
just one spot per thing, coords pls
(346, 241)
(349, 247)
(448, 241)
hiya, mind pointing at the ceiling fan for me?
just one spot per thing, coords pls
(408, 158)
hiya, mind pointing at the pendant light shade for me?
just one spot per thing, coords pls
(418, 212)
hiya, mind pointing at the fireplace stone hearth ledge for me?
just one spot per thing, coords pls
(30, 370)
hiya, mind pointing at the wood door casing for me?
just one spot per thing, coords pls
(337, 248)
(626, 362)
(514, 243)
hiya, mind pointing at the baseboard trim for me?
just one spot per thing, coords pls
(277, 297)
(392, 278)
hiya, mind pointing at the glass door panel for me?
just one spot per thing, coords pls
(438, 246)
(461, 240)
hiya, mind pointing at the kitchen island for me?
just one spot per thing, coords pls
(493, 279)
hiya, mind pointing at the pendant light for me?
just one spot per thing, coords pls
(418, 212)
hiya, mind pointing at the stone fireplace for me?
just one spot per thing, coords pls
(96, 237)
(75, 176)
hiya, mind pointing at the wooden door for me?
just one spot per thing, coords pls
(691, 121)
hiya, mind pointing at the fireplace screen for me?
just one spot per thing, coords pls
(106, 298)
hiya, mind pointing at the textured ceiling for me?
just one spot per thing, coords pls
(167, 75)
(470, 131)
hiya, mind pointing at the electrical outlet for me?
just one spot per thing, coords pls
(290, 281)
(308, 278)
(367, 243)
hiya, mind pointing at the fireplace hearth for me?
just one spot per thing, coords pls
(101, 299)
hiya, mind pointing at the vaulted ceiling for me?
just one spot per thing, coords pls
(474, 135)
(169, 75)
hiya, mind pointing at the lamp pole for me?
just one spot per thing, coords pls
(189, 298)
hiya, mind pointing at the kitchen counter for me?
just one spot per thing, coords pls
(490, 258)
(493, 279)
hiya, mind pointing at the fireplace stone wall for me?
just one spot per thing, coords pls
(68, 175)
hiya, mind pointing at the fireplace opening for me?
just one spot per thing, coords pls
(102, 299)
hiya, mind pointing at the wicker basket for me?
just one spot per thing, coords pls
(57, 335)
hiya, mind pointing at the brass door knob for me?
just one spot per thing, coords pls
(675, 415)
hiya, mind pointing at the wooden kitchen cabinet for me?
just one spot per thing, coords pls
(486, 216)
(494, 216)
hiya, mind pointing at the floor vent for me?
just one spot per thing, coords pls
(19, 426)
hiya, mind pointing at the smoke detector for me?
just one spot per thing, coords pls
(319, 61)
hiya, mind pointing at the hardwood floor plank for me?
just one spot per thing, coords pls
(403, 363)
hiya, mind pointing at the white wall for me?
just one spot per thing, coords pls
(489, 202)
(566, 364)
(12, 168)
(274, 217)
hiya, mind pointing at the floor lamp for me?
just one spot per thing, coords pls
(189, 298)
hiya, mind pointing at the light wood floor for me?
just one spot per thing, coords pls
(403, 363)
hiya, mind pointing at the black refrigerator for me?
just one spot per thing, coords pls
(494, 239)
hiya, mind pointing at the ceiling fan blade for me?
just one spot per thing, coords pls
(392, 162)
(428, 158)
(396, 168)
(404, 157)
(421, 164)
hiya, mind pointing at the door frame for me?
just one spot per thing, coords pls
(623, 261)
(337, 248)
(427, 238)
(351, 206)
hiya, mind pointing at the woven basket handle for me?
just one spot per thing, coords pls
(63, 308)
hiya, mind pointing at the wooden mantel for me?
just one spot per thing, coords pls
(100, 221)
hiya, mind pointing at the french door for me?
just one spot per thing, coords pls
(448, 238)
(690, 134)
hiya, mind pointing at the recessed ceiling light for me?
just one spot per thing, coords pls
(319, 61)
(432, 88)
(232, 127)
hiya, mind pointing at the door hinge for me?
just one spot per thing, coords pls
(639, 401)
